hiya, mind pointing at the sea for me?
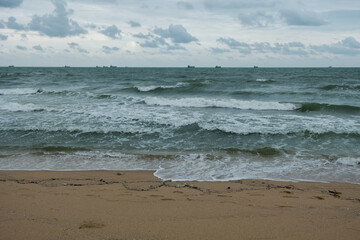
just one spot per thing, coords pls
(205, 124)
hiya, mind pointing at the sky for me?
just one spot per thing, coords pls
(171, 33)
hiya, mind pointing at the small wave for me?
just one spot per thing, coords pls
(264, 152)
(62, 149)
(17, 107)
(276, 132)
(341, 87)
(264, 80)
(219, 103)
(349, 161)
(59, 92)
(308, 107)
(19, 91)
(152, 88)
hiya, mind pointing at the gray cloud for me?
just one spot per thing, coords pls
(350, 42)
(232, 43)
(154, 43)
(296, 44)
(259, 19)
(219, 50)
(2, 25)
(175, 47)
(109, 50)
(238, 4)
(112, 32)
(81, 50)
(134, 24)
(38, 48)
(100, 2)
(10, 3)
(3, 37)
(12, 24)
(57, 24)
(177, 33)
(77, 47)
(301, 18)
(291, 48)
(143, 36)
(349, 46)
(22, 48)
(158, 42)
(90, 25)
(184, 5)
(73, 45)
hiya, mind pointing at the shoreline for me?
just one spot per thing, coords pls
(107, 204)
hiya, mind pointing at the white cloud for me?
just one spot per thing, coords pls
(176, 32)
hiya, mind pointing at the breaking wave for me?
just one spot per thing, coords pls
(198, 102)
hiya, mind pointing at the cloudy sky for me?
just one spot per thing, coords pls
(165, 33)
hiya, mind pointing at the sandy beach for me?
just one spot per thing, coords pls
(116, 205)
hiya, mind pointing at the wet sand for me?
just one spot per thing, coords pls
(135, 205)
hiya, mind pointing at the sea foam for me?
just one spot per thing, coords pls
(19, 91)
(198, 102)
(17, 107)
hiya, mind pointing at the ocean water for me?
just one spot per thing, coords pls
(187, 124)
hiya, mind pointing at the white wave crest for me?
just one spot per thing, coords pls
(261, 80)
(17, 107)
(151, 88)
(220, 103)
(18, 91)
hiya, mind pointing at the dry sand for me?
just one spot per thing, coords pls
(135, 205)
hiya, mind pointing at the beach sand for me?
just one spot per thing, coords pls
(135, 205)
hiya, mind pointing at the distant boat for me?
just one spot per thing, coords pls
(217, 66)
(11, 66)
(66, 66)
(113, 66)
(330, 66)
(190, 66)
(256, 67)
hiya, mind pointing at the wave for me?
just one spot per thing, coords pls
(28, 91)
(62, 149)
(19, 91)
(264, 80)
(264, 152)
(340, 87)
(153, 88)
(17, 107)
(182, 129)
(276, 132)
(308, 107)
(198, 102)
